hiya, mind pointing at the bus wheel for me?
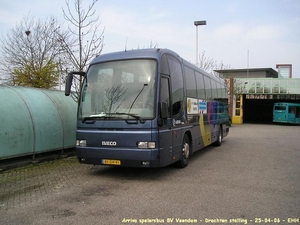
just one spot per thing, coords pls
(185, 153)
(220, 137)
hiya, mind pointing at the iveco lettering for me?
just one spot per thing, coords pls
(147, 108)
(112, 143)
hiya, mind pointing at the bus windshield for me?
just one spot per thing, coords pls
(280, 108)
(119, 90)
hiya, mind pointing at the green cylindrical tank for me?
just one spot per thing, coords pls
(35, 121)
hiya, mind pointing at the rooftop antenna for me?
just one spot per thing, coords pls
(248, 62)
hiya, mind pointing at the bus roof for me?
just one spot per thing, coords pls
(154, 53)
(287, 103)
(133, 54)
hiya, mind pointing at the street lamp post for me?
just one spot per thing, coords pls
(198, 23)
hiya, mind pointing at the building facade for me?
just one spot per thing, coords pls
(284, 70)
(253, 92)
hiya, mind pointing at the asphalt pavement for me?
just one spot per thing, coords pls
(253, 178)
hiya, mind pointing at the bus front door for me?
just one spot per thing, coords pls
(165, 144)
(165, 124)
(297, 115)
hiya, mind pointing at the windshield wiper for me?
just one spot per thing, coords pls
(109, 116)
(132, 115)
(97, 117)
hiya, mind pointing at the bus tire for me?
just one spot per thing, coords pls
(220, 137)
(185, 153)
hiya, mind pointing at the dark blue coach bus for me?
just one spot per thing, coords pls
(147, 108)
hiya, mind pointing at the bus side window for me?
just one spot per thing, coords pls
(165, 97)
(200, 85)
(219, 90)
(291, 109)
(191, 90)
(297, 112)
(177, 84)
(207, 88)
(214, 88)
(164, 66)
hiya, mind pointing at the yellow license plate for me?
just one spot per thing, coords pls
(111, 162)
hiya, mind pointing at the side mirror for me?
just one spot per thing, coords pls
(69, 81)
(68, 84)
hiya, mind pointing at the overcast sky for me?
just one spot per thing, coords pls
(268, 29)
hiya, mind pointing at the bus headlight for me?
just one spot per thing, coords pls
(146, 144)
(81, 143)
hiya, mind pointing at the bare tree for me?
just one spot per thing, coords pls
(209, 64)
(83, 24)
(206, 63)
(30, 53)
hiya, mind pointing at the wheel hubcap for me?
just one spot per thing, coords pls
(186, 150)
